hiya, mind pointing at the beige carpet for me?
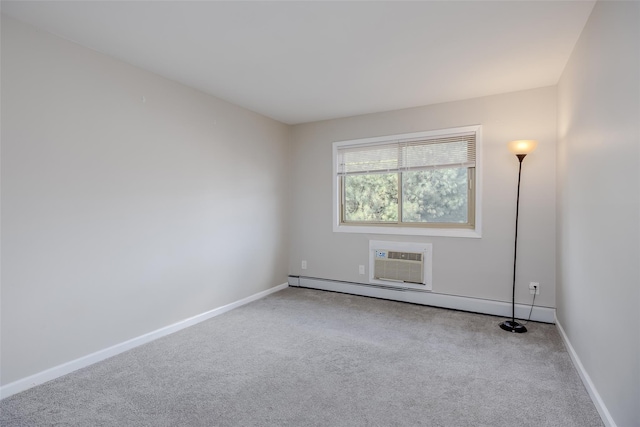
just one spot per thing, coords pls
(303, 357)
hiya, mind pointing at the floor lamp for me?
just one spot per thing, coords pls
(520, 148)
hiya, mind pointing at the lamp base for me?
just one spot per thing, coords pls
(513, 326)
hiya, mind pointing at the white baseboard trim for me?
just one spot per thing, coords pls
(586, 380)
(476, 305)
(66, 368)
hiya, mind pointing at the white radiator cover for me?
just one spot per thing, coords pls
(400, 264)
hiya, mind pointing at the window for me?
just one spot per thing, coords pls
(420, 183)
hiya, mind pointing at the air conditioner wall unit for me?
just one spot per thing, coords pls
(400, 264)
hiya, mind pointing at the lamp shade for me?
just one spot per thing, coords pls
(522, 146)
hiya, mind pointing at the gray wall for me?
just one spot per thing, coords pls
(480, 268)
(120, 217)
(599, 205)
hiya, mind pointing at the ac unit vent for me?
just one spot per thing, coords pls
(399, 266)
(407, 256)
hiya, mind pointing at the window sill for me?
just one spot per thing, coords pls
(408, 231)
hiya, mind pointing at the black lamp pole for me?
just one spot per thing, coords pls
(512, 325)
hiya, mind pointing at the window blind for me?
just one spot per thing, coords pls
(405, 155)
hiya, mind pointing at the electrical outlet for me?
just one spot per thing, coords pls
(361, 269)
(534, 288)
(304, 264)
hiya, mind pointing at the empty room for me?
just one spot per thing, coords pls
(320, 213)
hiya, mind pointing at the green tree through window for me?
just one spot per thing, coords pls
(371, 198)
(439, 195)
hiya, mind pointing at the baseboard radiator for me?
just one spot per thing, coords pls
(418, 295)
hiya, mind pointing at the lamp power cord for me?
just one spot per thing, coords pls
(535, 289)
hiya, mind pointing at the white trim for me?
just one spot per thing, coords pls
(66, 368)
(426, 249)
(410, 231)
(607, 419)
(414, 231)
(475, 305)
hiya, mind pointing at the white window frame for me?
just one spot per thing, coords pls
(475, 232)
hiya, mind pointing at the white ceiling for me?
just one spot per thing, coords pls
(305, 61)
